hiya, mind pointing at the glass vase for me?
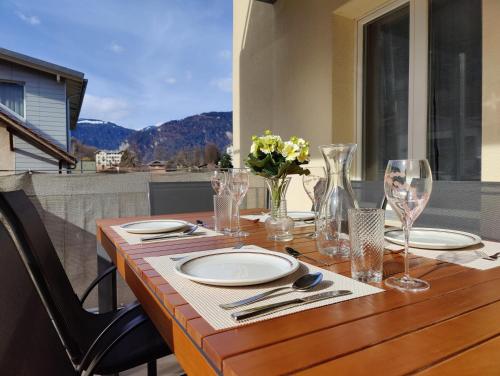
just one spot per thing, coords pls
(279, 226)
(333, 230)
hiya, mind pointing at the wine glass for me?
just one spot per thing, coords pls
(219, 181)
(238, 181)
(315, 185)
(408, 187)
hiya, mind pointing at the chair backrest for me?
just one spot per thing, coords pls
(29, 343)
(180, 197)
(44, 264)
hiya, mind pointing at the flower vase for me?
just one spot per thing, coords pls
(279, 226)
(333, 231)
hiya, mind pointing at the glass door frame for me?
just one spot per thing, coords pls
(417, 80)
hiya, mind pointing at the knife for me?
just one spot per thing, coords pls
(269, 308)
(170, 236)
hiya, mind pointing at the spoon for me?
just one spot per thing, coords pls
(186, 232)
(303, 283)
(294, 253)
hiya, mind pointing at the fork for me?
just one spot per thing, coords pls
(493, 257)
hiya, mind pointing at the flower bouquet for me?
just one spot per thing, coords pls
(275, 159)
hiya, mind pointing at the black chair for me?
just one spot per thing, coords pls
(95, 343)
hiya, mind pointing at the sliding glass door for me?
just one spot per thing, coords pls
(409, 112)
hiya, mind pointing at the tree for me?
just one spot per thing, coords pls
(212, 154)
(226, 161)
(129, 159)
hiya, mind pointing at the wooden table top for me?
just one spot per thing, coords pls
(453, 328)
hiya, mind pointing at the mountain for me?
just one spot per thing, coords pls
(102, 135)
(161, 142)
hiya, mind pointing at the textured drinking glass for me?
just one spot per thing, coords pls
(222, 212)
(366, 232)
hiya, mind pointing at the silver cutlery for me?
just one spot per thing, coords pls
(492, 257)
(237, 246)
(303, 283)
(294, 253)
(270, 308)
(186, 233)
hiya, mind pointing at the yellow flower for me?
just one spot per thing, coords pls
(290, 151)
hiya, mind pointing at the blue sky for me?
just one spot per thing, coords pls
(146, 61)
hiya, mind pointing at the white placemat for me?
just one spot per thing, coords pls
(205, 299)
(470, 257)
(262, 218)
(136, 238)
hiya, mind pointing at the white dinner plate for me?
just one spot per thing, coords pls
(433, 238)
(238, 268)
(154, 226)
(301, 215)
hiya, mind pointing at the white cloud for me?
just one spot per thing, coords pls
(104, 108)
(32, 20)
(225, 54)
(223, 84)
(116, 48)
(170, 80)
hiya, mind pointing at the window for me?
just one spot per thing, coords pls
(455, 85)
(385, 110)
(12, 96)
(421, 87)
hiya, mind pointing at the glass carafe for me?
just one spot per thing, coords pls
(333, 231)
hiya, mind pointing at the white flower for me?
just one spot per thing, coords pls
(290, 151)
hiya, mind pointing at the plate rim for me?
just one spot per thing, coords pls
(475, 239)
(295, 264)
(309, 212)
(158, 231)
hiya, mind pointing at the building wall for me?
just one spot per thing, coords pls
(295, 73)
(6, 156)
(45, 108)
(282, 66)
(490, 170)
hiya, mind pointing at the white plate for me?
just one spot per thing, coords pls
(433, 238)
(154, 226)
(238, 268)
(301, 215)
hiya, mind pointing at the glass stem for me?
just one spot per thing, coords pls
(238, 218)
(406, 229)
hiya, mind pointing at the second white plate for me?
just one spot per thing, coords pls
(238, 268)
(301, 215)
(433, 238)
(154, 226)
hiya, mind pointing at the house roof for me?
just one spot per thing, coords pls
(19, 127)
(76, 84)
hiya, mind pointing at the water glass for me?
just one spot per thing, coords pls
(366, 232)
(222, 212)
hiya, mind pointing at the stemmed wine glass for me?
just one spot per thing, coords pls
(237, 185)
(219, 181)
(408, 187)
(315, 185)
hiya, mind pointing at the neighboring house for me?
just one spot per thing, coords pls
(105, 160)
(44, 102)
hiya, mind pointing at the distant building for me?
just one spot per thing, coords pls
(39, 104)
(105, 160)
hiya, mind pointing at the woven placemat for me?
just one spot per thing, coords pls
(470, 257)
(136, 238)
(205, 299)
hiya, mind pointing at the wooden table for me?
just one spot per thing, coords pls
(453, 328)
